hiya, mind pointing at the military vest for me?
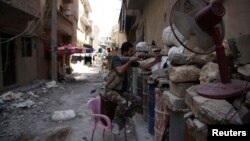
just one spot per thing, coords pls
(115, 81)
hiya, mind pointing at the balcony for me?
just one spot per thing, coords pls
(64, 24)
(135, 4)
(85, 20)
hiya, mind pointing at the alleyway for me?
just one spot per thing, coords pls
(35, 124)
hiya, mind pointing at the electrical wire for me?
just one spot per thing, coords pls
(10, 39)
(41, 17)
(27, 28)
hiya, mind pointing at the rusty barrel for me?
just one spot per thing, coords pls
(134, 81)
(161, 115)
(139, 85)
(151, 106)
(145, 94)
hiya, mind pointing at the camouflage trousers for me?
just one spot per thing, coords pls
(127, 106)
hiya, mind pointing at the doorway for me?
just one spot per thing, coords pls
(8, 60)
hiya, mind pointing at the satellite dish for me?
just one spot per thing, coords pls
(201, 25)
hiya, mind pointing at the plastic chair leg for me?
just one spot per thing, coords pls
(93, 132)
(114, 137)
(125, 133)
(103, 133)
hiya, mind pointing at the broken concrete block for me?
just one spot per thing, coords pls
(244, 70)
(173, 102)
(244, 50)
(32, 94)
(163, 82)
(184, 73)
(209, 73)
(199, 125)
(243, 111)
(25, 104)
(179, 89)
(211, 111)
(63, 115)
(51, 84)
(11, 96)
(161, 73)
(201, 60)
(178, 59)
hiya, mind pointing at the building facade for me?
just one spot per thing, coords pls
(145, 20)
(20, 43)
(25, 38)
(84, 25)
(117, 37)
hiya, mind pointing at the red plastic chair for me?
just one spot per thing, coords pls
(100, 121)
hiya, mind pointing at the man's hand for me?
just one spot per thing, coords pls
(133, 58)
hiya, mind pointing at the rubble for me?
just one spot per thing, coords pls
(32, 94)
(209, 73)
(161, 73)
(243, 47)
(201, 60)
(63, 115)
(211, 111)
(51, 84)
(184, 73)
(25, 104)
(242, 110)
(9, 96)
(178, 59)
(173, 102)
(244, 70)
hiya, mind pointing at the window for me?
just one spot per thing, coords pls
(26, 47)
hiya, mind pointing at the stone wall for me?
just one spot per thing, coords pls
(154, 18)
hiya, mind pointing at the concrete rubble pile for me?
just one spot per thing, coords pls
(186, 114)
(190, 113)
(27, 96)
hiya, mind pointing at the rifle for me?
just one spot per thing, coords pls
(142, 56)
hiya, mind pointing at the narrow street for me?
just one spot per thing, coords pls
(35, 123)
(183, 65)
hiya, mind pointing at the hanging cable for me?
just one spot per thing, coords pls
(26, 29)
(7, 62)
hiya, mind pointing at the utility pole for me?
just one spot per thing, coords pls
(53, 40)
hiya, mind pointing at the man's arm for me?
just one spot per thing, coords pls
(149, 65)
(122, 68)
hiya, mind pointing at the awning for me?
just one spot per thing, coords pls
(71, 49)
(135, 4)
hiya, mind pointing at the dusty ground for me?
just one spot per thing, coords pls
(35, 124)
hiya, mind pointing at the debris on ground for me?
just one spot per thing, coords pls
(25, 104)
(63, 115)
(51, 84)
(9, 96)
